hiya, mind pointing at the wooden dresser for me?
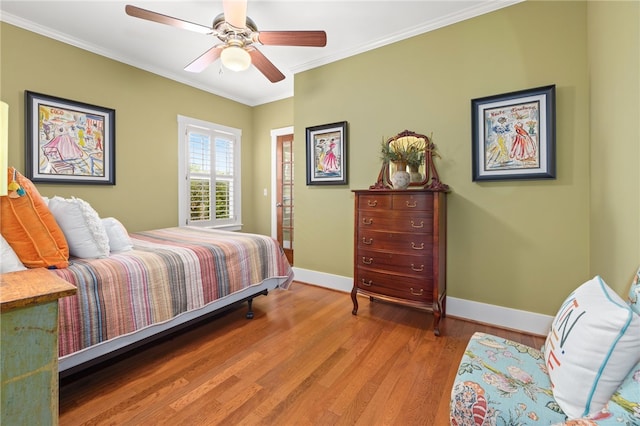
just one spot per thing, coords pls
(400, 249)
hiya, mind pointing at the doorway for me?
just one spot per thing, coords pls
(283, 193)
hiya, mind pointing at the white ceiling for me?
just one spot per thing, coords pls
(352, 27)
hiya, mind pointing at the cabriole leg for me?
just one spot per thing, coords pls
(354, 298)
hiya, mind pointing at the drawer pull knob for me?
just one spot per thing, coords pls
(368, 242)
(412, 205)
(413, 225)
(413, 268)
(367, 221)
(367, 283)
(415, 293)
(415, 247)
(367, 261)
(371, 203)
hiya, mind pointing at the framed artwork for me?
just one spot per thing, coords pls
(327, 154)
(68, 141)
(513, 135)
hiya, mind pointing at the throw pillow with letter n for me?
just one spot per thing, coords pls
(593, 343)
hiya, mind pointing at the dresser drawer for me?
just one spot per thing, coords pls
(417, 266)
(395, 286)
(408, 201)
(401, 221)
(374, 201)
(400, 242)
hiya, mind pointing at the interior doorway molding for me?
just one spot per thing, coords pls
(274, 141)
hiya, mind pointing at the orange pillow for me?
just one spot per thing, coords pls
(30, 228)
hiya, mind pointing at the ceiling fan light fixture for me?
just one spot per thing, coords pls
(235, 58)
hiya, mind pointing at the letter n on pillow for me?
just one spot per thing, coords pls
(30, 229)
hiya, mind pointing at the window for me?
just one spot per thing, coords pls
(209, 169)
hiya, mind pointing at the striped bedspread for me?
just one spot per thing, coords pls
(169, 271)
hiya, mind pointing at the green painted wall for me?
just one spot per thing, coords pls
(614, 64)
(523, 245)
(147, 106)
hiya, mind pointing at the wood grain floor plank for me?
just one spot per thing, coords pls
(304, 359)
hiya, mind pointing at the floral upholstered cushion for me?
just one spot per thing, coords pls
(504, 383)
(634, 293)
(501, 382)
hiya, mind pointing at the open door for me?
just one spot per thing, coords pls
(284, 194)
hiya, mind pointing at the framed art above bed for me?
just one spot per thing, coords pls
(69, 141)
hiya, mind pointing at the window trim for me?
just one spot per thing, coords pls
(183, 171)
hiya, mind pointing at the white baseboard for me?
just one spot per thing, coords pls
(321, 279)
(500, 316)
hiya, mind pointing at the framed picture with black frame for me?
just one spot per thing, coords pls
(69, 141)
(513, 135)
(327, 154)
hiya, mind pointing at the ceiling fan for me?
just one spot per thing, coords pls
(238, 35)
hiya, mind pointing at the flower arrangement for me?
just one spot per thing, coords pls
(409, 150)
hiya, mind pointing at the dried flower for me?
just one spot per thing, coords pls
(408, 149)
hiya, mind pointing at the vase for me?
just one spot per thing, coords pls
(401, 178)
(416, 176)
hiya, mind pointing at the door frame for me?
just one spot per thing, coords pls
(274, 142)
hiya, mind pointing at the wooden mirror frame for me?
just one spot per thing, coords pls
(430, 179)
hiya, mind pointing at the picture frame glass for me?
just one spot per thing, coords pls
(68, 141)
(514, 135)
(326, 154)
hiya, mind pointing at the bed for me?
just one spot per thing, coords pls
(167, 279)
(131, 287)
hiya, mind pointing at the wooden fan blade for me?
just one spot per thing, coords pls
(204, 60)
(137, 12)
(265, 66)
(235, 12)
(293, 38)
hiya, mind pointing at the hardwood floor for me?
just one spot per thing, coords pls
(303, 360)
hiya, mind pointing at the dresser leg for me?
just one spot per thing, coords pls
(436, 324)
(438, 313)
(354, 298)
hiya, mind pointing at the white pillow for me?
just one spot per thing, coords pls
(81, 226)
(118, 237)
(9, 260)
(593, 343)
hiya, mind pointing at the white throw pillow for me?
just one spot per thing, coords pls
(593, 343)
(81, 226)
(9, 261)
(119, 240)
